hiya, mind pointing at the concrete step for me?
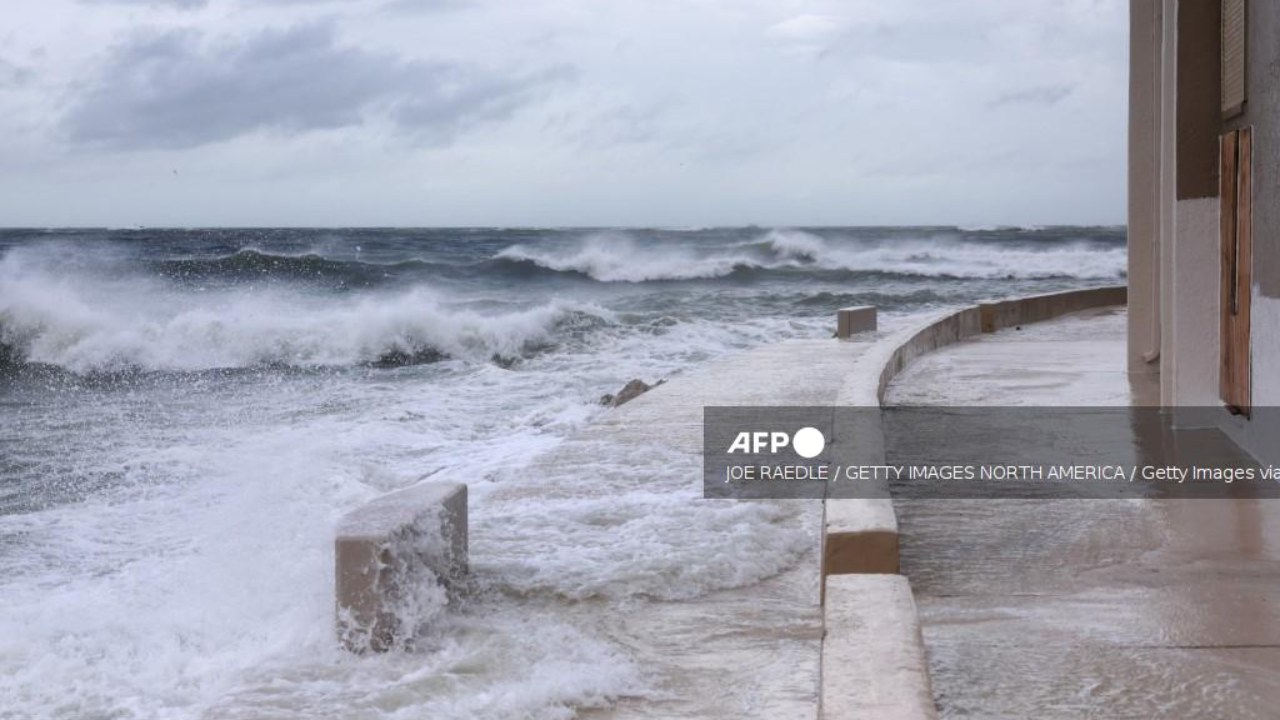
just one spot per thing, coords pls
(873, 658)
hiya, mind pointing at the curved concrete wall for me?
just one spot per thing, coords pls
(992, 316)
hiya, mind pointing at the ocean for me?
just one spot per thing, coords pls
(185, 414)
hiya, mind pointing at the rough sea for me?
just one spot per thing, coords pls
(186, 414)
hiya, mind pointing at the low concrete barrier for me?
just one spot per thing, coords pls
(989, 317)
(873, 658)
(396, 559)
(1035, 308)
(853, 320)
(861, 536)
(946, 330)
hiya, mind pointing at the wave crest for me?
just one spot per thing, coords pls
(618, 257)
(86, 326)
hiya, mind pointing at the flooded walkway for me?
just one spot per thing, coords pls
(715, 601)
(1085, 608)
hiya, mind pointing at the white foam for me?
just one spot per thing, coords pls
(944, 257)
(84, 322)
(200, 584)
(796, 244)
(617, 257)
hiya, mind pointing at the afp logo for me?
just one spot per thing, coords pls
(808, 442)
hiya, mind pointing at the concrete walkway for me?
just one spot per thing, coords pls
(1085, 608)
(745, 647)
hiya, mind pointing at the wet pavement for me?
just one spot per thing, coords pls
(1131, 608)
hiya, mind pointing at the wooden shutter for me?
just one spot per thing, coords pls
(1237, 262)
(1233, 57)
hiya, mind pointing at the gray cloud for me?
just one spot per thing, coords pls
(178, 90)
(399, 5)
(12, 74)
(1047, 95)
(417, 6)
(179, 4)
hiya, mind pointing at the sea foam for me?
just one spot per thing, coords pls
(99, 324)
(616, 256)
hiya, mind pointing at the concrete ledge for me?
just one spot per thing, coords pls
(861, 536)
(394, 559)
(853, 320)
(940, 332)
(1022, 311)
(873, 658)
(989, 317)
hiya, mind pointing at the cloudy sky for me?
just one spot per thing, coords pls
(561, 112)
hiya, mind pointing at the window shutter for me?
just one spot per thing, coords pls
(1235, 374)
(1233, 57)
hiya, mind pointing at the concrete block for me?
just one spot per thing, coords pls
(861, 537)
(396, 559)
(873, 658)
(853, 320)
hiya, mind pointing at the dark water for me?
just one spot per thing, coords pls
(93, 301)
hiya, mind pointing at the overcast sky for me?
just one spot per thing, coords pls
(562, 112)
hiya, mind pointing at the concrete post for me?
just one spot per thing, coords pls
(1145, 80)
(852, 320)
(395, 559)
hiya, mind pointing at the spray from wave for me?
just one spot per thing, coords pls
(92, 324)
(618, 257)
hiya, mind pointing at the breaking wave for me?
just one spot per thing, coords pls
(86, 326)
(618, 257)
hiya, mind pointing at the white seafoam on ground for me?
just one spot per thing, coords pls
(200, 583)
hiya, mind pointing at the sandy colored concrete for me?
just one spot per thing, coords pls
(874, 661)
(861, 537)
(1085, 608)
(1011, 313)
(853, 320)
(416, 535)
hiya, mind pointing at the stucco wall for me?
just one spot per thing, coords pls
(1194, 376)
(1262, 111)
(1259, 435)
(1170, 144)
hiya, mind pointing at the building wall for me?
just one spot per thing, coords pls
(1262, 111)
(1196, 292)
(1261, 435)
(1190, 214)
(1168, 207)
(1175, 121)
(1144, 184)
